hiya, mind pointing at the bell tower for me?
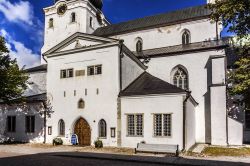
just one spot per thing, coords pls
(66, 17)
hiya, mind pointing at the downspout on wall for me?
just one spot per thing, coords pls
(120, 54)
(184, 119)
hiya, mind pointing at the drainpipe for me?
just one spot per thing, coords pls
(120, 62)
(184, 118)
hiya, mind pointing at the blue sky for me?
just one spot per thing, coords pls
(22, 21)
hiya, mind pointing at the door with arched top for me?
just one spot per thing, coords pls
(82, 130)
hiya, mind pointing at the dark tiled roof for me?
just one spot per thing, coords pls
(37, 68)
(35, 98)
(147, 84)
(170, 18)
(178, 49)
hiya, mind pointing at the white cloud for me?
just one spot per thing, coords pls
(24, 56)
(19, 12)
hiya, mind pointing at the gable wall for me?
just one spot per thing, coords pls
(130, 71)
(97, 106)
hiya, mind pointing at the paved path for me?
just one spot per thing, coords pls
(66, 156)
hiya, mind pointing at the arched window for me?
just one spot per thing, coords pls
(186, 37)
(81, 104)
(61, 125)
(51, 23)
(73, 17)
(139, 45)
(180, 78)
(102, 129)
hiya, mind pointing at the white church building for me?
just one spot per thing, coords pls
(159, 80)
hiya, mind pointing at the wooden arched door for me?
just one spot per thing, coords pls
(82, 130)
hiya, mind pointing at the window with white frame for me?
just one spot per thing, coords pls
(67, 73)
(162, 125)
(94, 70)
(135, 125)
(180, 78)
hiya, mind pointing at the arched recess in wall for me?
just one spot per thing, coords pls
(180, 77)
(139, 44)
(81, 104)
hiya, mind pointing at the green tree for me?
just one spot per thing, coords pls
(235, 15)
(12, 78)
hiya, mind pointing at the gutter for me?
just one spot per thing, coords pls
(184, 119)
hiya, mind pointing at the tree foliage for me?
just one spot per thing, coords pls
(12, 78)
(235, 15)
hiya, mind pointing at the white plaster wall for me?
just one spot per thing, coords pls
(200, 30)
(149, 105)
(21, 112)
(235, 132)
(218, 71)
(130, 71)
(218, 115)
(97, 106)
(197, 65)
(190, 125)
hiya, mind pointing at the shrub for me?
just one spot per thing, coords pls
(57, 141)
(98, 144)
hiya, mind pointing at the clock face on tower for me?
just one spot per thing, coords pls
(61, 9)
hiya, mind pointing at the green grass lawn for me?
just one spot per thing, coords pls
(218, 151)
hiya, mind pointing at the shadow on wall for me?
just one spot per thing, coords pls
(23, 128)
(207, 103)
